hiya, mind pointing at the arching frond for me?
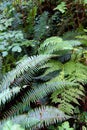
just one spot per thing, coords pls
(30, 64)
(33, 95)
(73, 70)
(41, 116)
(54, 44)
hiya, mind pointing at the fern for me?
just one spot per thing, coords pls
(8, 94)
(0, 69)
(28, 64)
(33, 95)
(77, 72)
(57, 44)
(83, 39)
(73, 70)
(40, 29)
(39, 117)
(44, 89)
(65, 97)
(28, 83)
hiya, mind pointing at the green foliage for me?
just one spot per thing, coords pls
(26, 64)
(6, 40)
(83, 117)
(65, 126)
(73, 70)
(45, 116)
(41, 28)
(37, 118)
(9, 126)
(61, 7)
(0, 68)
(14, 78)
(57, 44)
(8, 94)
(23, 81)
(66, 97)
(54, 72)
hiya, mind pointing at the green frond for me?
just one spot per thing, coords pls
(54, 44)
(52, 66)
(35, 94)
(46, 88)
(83, 39)
(66, 97)
(30, 64)
(71, 70)
(73, 42)
(52, 41)
(41, 116)
(0, 69)
(76, 71)
(8, 94)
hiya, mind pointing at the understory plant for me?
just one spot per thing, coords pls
(43, 64)
(57, 73)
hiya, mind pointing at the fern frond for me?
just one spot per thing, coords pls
(8, 94)
(30, 64)
(39, 117)
(52, 66)
(0, 69)
(72, 70)
(76, 71)
(35, 94)
(73, 42)
(83, 39)
(54, 44)
(67, 97)
(46, 88)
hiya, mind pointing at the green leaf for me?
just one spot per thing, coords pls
(61, 7)
(2, 27)
(2, 47)
(65, 125)
(16, 49)
(4, 53)
(85, 1)
(60, 128)
(8, 22)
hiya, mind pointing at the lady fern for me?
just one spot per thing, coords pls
(65, 97)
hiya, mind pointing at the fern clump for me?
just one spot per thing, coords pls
(57, 44)
(45, 75)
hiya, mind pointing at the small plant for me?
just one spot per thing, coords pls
(65, 126)
(62, 126)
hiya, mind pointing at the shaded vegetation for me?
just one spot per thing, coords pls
(43, 65)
